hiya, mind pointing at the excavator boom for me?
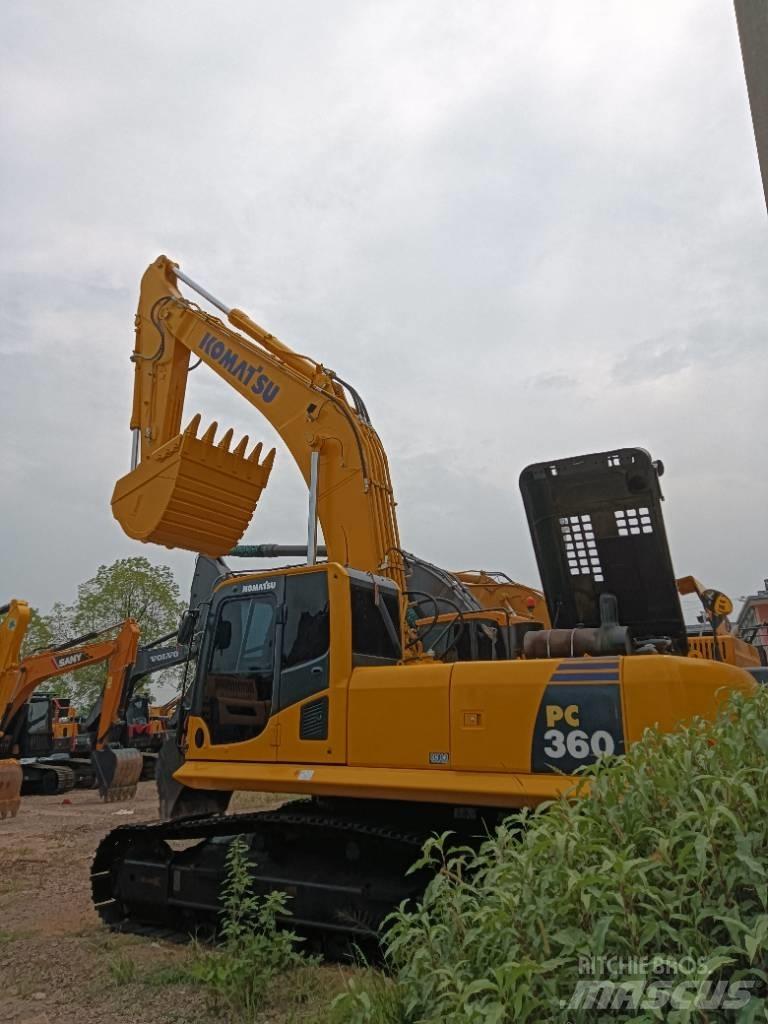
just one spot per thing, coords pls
(13, 628)
(187, 491)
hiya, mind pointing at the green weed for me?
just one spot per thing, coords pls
(254, 951)
(123, 970)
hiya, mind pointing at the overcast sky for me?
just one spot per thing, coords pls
(523, 230)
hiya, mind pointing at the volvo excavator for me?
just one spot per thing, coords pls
(313, 680)
(140, 726)
(117, 770)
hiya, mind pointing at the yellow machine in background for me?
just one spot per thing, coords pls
(720, 644)
(13, 627)
(497, 590)
(117, 770)
(312, 679)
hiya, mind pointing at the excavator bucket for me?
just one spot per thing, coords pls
(118, 771)
(10, 787)
(191, 493)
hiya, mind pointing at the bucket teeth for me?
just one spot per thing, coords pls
(194, 423)
(192, 493)
(210, 435)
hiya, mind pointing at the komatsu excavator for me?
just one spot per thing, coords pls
(117, 770)
(310, 680)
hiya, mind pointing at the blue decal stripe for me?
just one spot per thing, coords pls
(586, 665)
(582, 677)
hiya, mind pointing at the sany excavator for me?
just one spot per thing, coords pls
(309, 680)
(117, 770)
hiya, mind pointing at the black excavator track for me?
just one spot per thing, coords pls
(42, 779)
(343, 873)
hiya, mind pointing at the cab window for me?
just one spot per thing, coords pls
(244, 637)
(307, 621)
(372, 643)
(304, 668)
(237, 692)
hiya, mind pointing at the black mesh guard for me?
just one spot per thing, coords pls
(597, 527)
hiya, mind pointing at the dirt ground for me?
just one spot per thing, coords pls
(58, 963)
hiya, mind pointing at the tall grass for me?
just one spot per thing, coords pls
(662, 867)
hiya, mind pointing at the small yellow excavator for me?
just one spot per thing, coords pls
(715, 639)
(313, 679)
(117, 770)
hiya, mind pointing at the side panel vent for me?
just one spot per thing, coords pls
(313, 724)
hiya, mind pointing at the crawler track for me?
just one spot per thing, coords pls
(47, 779)
(343, 873)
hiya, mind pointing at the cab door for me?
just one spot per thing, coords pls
(239, 672)
(310, 713)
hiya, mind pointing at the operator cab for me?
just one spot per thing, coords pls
(270, 643)
(137, 710)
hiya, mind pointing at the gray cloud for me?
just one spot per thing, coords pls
(553, 381)
(521, 230)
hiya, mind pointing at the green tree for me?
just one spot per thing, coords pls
(128, 588)
(38, 635)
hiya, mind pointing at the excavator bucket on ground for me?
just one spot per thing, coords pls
(192, 493)
(118, 771)
(10, 787)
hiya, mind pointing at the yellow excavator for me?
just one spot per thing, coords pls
(117, 770)
(13, 627)
(313, 679)
(714, 639)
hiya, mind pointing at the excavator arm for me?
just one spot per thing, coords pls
(717, 606)
(19, 681)
(115, 693)
(190, 492)
(13, 627)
